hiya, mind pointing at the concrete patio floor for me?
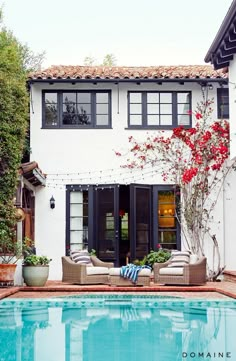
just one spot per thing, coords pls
(211, 290)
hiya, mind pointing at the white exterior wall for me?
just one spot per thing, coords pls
(91, 150)
(232, 106)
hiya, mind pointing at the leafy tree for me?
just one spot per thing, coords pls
(196, 162)
(13, 125)
(31, 61)
(89, 61)
(109, 60)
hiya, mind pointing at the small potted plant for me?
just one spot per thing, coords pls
(160, 256)
(10, 252)
(35, 270)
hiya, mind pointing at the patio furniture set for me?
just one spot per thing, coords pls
(181, 269)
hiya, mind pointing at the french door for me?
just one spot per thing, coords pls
(140, 220)
(106, 225)
(121, 222)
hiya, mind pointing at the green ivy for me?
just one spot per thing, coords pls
(13, 124)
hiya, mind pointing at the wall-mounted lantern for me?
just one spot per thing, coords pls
(52, 202)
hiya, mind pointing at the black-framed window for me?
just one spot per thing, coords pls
(76, 109)
(223, 103)
(153, 109)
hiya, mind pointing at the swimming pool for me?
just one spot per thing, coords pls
(117, 328)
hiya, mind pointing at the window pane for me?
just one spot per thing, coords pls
(153, 108)
(102, 108)
(69, 97)
(183, 108)
(183, 97)
(83, 97)
(102, 97)
(135, 97)
(84, 118)
(84, 108)
(153, 120)
(166, 119)
(183, 120)
(224, 109)
(102, 119)
(78, 219)
(51, 114)
(135, 109)
(166, 109)
(51, 109)
(165, 98)
(135, 119)
(76, 223)
(69, 118)
(76, 197)
(77, 238)
(76, 210)
(51, 98)
(153, 97)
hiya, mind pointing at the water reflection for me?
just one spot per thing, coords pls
(116, 332)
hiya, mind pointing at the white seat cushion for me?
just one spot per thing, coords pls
(175, 271)
(97, 271)
(114, 271)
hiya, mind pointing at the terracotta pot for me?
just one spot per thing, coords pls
(7, 273)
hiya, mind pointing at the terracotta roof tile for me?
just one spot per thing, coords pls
(119, 72)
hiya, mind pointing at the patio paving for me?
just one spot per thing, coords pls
(211, 290)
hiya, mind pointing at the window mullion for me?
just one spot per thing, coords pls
(174, 110)
(93, 109)
(60, 108)
(144, 109)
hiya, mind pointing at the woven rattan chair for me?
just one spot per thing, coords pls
(77, 273)
(193, 274)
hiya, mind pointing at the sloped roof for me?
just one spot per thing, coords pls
(32, 173)
(223, 46)
(120, 73)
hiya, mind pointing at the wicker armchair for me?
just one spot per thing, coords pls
(77, 273)
(192, 274)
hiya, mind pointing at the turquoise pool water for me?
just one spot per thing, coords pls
(117, 328)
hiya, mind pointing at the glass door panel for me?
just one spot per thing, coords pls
(141, 221)
(167, 222)
(78, 220)
(107, 232)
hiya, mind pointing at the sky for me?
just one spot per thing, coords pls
(136, 32)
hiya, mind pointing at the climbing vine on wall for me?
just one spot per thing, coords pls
(13, 123)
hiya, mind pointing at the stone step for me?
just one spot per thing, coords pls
(230, 276)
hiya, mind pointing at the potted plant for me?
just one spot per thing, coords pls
(35, 270)
(10, 251)
(160, 256)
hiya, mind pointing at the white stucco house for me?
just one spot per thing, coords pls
(222, 55)
(79, 117)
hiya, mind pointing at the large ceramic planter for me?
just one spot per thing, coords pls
(7, 273)
(35, 275)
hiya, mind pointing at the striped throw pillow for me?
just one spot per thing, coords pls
(81, 257)
(179, 258)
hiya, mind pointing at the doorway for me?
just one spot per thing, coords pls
(121, 222)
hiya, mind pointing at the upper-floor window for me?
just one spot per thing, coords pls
(159, 109)
(223, 103)
(76, 109)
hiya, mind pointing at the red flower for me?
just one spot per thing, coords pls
(198, 116)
